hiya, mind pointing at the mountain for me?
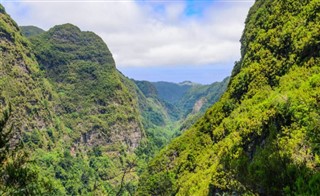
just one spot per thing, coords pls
(72, 124)
(156, 111)
(76, 116)
(171, 92)
(29, 31)
(262, 136)
(94, 101)
(200, 97)
(97, 105)
(189, 97)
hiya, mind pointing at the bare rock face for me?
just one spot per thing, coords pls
(130, 137)
(198, 105)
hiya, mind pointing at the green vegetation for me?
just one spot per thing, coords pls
(24, 109)
(197, 100)
(73, 113)
(71, 124)
(93, 99)
(163, 119)
(97, 108)
(180, 100)
(172, 92)
(262, 137)
(29, 31)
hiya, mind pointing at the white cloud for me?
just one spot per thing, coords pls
(137, 35)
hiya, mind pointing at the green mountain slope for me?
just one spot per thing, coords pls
(184, 102)
(94, 102)
(26, 113)
(76, 115)
(98, 107)
(200, 97)
(262, 137)
(20, 85)
(29, 31)
(182, 99)
(172, 92)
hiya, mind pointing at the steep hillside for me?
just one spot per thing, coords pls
(200, 97)
(155, 111)
(70, 122)
(158, 121)
(94, 102)
(75, 114)
(20, 85)
(98, 107)
(197, 100)
(262, 137)
(26, 114)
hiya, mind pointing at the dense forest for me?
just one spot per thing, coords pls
(72, 124)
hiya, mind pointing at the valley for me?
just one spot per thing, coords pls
(72, 124)
(99, 126)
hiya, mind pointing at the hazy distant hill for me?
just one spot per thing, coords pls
(29, 31)
(171, 92)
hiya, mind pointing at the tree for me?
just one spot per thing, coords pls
(16, 175)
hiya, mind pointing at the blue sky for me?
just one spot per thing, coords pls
(203, 75)
(157, 40)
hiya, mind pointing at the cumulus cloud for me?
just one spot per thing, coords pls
(140, 33)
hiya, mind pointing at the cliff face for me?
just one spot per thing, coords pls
(262, 137)
(93, 99)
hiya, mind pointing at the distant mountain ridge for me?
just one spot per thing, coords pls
(187, 82)
(165, 91)
(29, 31)
(72, 124)
(184, 95)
